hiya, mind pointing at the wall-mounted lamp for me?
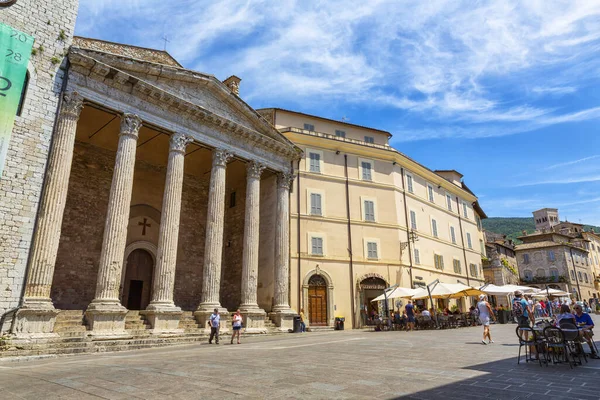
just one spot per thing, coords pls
(394, 163)
(337, 152)
(439, 186)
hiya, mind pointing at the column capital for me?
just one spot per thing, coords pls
(179, 142)
(254, 169)
(71, 105)
(221, 157)
(285, 179)
(130, 125)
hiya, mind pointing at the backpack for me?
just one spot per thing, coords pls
(517, 308)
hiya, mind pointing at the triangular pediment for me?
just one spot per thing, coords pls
(200, 89)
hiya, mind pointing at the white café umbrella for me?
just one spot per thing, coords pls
(550, 292)
(447, 291)
(505, 290)
(396, 293)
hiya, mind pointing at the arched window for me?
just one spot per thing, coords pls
(572, 274)
(585, 277)
(23, 94)
(540, 273)
(554, 273)
(528, 275)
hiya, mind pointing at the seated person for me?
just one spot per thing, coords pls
(584, 321)
(425, 313)
(565, 314)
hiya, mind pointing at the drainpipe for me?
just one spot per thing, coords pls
(575, 271)
(352, 295)
(410, 265)
(462, 240)
(298, 240)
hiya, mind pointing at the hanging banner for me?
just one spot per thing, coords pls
(15, 49)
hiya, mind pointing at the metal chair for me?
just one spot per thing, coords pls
(526, 337)
(556, 346)
(573, 339)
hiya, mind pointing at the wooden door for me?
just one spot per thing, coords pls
(317, 305)
(138, 280)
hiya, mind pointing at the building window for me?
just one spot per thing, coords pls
(540, 273)
(585, 277)
(572, 274)
(232, 200)
(417, 256)
(23, 94)
(579, 275)
(372, 250)
(526, 258)
(316, 246)
(465, 210)
(315, 162)
(434, 230)
(551, 256)
(339, 133)
(478, 222)
(452, 235)
(469, 242)
(369, 139)
(366, 171)
(430, 193)
(439, 261)
(449, 201)
(528, 275)
(413, 220)
(473, 269)
(482, 246)
(309, 127)
(554, 273)
(456, 265)
(369, 210)
(315, 204)
(409, 183)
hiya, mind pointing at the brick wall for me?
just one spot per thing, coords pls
(22, 179)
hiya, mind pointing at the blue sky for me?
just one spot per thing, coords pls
(505, 92)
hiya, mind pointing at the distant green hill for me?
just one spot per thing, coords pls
(514, 227)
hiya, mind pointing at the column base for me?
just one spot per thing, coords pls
(35, 319)
(283, 317)
(106, 320)
(254, 319)
(164, 319)
(203, 313)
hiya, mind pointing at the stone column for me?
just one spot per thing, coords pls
(254, 316)
(105, 314)
(37, 314)
(282, 314)
(162, 313)
(213, 247)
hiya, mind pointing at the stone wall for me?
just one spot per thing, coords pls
(22, 180)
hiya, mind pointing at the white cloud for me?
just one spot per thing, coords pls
(568, 163)
(442, 60)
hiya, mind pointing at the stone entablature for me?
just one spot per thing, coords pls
(140, 53)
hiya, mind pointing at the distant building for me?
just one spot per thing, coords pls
(559, 255)
(500, 262)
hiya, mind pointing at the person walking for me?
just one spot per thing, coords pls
(302, 322)
(485, 314)
(215, 324)
(237, 326)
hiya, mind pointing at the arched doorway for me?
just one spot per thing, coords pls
(370, 287)
(317, 301)
(137, 286)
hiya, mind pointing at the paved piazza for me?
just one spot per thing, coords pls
(328, 365)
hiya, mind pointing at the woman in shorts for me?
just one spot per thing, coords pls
(237, 326)
(485, 314)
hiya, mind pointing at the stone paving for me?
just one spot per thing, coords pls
(449, 364)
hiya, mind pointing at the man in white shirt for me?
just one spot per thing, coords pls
(215, 324)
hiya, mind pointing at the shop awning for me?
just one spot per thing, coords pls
(447, 291)
(505, 290)
(397, 293)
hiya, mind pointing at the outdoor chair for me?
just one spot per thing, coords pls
(574, 340)
(557, 348)
(526, 339)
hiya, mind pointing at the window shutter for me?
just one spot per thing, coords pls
(409, 183)
(366, 171)
(469, 244)
(417, 257)
(369, 210)
(434, 227)
(452, 235)
(413, 220)
(315, 162)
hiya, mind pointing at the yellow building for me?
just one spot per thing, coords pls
(365, 217)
